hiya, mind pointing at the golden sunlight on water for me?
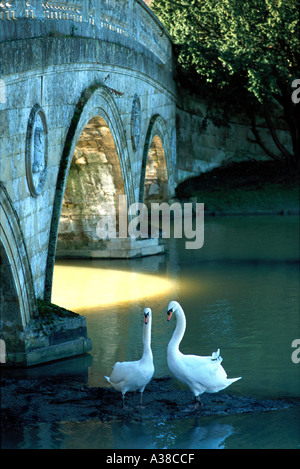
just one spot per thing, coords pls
(85, 288)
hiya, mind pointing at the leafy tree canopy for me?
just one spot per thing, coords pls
(245, 53)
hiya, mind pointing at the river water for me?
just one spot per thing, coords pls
(240, 293)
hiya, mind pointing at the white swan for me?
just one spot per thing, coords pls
(135, 375)
(201, 374)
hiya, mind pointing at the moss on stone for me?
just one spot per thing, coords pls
(50, 312)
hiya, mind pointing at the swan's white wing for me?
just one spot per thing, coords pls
(130, 376)
(197, 363)
(121, 371)
(204, 372)
(215, 356)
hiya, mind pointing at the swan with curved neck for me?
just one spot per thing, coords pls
(135, 375)
(200, 374)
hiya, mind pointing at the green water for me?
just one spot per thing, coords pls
(240, 293)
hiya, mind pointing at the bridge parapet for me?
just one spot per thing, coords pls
(113, 18)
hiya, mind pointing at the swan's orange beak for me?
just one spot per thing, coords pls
(146, 318)
(169, 313)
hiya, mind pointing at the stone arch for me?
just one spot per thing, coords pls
(18, 303)
(95, 104)
(93, 187)
(156, 163)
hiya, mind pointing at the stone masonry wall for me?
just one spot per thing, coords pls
(200, 150)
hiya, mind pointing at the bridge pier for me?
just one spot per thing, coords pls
(52, 334)
(31, 331)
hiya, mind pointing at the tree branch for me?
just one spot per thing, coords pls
(274, 135)
(259, 141)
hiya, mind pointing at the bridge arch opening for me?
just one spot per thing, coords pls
(97, 108)
(156, 177)
(92, 190)
(156, 169)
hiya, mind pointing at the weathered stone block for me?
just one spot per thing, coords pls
(53, 334)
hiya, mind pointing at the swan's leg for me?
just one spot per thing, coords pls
(140, 406)
(123, 401)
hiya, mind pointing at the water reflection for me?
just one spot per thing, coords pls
(122, 435)
(241, 431)
(193, 435)
(92, 286)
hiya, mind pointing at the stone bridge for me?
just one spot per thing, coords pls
(87, 113)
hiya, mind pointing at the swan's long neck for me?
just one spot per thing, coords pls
(147, 338)
(179, 330)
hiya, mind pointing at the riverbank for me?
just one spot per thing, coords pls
(27, 401)
(252, 187)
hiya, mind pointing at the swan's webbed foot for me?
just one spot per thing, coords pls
(198, 402)
(195, 406)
